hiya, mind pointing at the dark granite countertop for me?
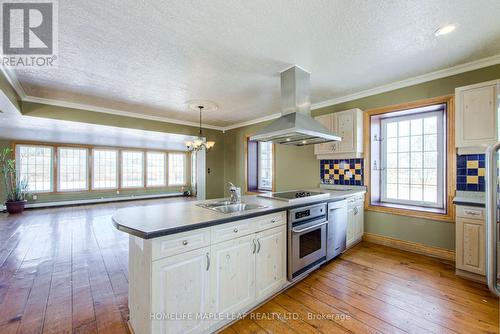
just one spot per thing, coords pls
(163, 219)
(470, 198)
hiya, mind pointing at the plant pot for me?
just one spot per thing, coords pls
(15, 207)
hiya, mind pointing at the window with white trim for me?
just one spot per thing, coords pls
(156, 169)
(72, 169)
(132, 169)
(34, 165)
(413, 159)
(105, 169)
(176, 169)
(265, 166)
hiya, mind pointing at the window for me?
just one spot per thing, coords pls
(105, 169)
(72, 169)
(265, 163)
(259, 166)
(34, 165)
(176, 169)
(155, 169)
(132, 169)
(411, 152)
(413, 157)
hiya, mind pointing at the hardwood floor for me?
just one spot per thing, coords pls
(65, 270)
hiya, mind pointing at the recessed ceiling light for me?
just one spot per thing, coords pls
(446, 29)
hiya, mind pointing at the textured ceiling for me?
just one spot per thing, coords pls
(151, 56)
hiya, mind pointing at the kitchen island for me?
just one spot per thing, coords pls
(194, 270)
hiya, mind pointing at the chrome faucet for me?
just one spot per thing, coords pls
(235, 196)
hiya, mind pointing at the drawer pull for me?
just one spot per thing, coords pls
(185, 242)
(472, 213)
(273, 221)
(258, 249)
(235, 230)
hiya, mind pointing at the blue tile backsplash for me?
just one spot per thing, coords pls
(342, 171)
(470, 172)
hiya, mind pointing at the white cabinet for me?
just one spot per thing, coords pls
(181, 286)
(233, 276)
(470, 240)
(348, 125)
(476, 117)
(224, 269)
(355, 220)
(270, 262)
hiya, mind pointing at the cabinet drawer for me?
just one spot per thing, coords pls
(471, 212)
(180, 243)
(231, 230)
(269, 221)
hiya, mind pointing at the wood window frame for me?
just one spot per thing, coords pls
(53, 174)
(57, 165)
(92, 174)
(449, 213)
(253, 192)
(186, 171)
(90, 148)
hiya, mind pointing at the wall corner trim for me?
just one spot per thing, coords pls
(410, 246)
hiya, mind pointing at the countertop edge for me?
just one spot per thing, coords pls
(192, 227)
(465, 203)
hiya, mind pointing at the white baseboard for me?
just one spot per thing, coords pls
(95, 200)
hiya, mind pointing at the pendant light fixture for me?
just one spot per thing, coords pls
(200, 143)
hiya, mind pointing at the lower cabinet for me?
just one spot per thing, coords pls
(200, 290)
(270, 262)
(232, 285)
(189, 274)
(355, 220)
(471, 249)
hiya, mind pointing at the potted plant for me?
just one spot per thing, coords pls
(16, 189)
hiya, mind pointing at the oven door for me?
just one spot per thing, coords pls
(308, 247)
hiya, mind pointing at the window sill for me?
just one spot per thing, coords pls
(412, 211)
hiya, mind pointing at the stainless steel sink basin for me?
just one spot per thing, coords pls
(227, 207)
(214, 204)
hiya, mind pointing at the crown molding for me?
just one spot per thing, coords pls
(11, 77)
(253, 121)
(117, 112)
(473, 65)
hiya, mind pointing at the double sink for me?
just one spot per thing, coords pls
(230, 207)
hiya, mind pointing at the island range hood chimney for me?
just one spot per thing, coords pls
(295, 126)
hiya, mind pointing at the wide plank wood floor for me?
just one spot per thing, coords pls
(65, 270)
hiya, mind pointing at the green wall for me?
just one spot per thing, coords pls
(428, 232)
(295, 166)
(215, 158)
(11, 94)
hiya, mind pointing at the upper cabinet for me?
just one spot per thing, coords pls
(476, 117)
(348, 125)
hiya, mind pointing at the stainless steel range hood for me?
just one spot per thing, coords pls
(295, 126)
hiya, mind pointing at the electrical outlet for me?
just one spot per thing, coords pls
(35, 197)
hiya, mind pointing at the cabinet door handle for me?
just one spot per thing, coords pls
(208, 261)
(254, 246)
(185, 242)
(258, 249)
(235, 230)
(273, 221)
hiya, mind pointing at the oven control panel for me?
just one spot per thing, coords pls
(307, 212)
